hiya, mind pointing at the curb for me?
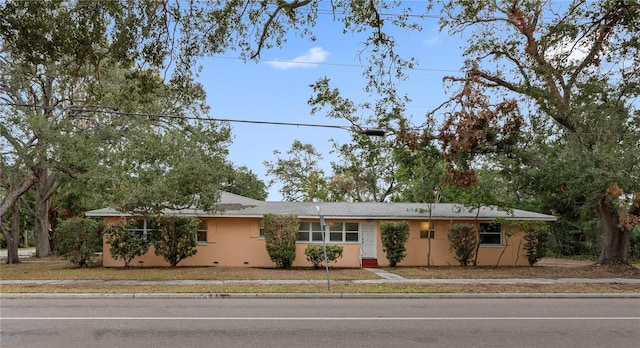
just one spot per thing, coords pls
(203, 296)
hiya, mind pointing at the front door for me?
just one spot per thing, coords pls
(368, 240)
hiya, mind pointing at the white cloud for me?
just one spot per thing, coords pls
(430, 41)
(309, 60)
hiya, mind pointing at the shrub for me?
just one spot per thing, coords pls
(78, 240)
(125, 243)
(315, 254)
(394, 236)
(280, 233)
(463, 240)
(535, 242)
(178, 237)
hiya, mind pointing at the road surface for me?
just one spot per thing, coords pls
(319, 322)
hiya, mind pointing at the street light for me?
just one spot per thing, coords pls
(373, 132)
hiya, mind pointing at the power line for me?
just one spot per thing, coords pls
(334, 64)
(114, 111)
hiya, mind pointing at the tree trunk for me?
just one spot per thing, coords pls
(43, 246)
(615, 245)
(12, 234)
(12, 196)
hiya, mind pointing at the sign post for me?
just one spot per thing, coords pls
(324, 245)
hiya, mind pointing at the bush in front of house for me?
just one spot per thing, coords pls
(394, 237)
(78, 239)
(463, 240)
(178, 237)
(125, 243)
(280, 232)
(535, 242)
(315, 254)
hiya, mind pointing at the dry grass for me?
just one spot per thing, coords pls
(336, 287)
(545, 271)
(57, 269)
(54, 268)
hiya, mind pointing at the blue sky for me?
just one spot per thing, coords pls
(277, 88)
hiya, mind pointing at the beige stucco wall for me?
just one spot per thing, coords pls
(234, 242)
(417, 248)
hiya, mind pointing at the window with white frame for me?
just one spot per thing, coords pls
(344, 231)
(311, 231)
(203, 232)
(490, 234)
(261, 229)
(426, 231)
(146, 228)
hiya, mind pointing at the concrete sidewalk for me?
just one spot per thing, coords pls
(385, 278)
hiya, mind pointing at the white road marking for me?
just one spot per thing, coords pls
(320, 319)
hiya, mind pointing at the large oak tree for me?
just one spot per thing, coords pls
(575, 67)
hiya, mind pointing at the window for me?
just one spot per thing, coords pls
(202, 232)
(426, 232)
(490, 234)
(336, 232)
(261, 229)
(146, 228)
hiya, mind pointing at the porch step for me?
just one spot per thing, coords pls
(369, 263)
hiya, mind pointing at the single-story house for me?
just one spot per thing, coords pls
(232, 236)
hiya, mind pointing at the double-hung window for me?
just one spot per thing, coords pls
(426, 232)
(343, 231)
(490, 234)
(202, 232)
(337, 232)
(147, 229)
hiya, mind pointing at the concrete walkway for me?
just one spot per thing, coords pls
(22, 252)
(385, 278)
(292, 281)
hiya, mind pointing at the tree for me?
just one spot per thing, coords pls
(301, 176)
(535, 240)
(177, 237)
(242, 181)
(366, 171)
(79, 239)
(280, 232)
(577, 66)
(463, 240)
(394, 236)
(315, 254)
(67, 108)
(125, 243)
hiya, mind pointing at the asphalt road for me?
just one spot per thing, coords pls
(319, 323)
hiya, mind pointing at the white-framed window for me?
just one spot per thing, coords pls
(261, 229)
(344, 232)
(146, 228)
(203, 232)
(490, 234)
(426, 231)
(311, 231)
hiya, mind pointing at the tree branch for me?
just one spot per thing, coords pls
(282, 5)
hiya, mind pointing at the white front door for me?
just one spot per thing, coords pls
(368, 240)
